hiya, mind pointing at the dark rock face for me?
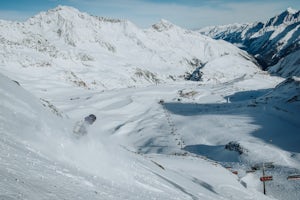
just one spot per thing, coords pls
(235, 146)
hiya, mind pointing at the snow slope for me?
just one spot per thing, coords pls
(202, 119)
(269, 41)
(288, 66)
(285, 94)
(41, 160)
(156, 135)
(72, 48)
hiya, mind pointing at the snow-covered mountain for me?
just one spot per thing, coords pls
(74, 48)
(286, 94)
(270, 42)
(157, 135)
(288, 66)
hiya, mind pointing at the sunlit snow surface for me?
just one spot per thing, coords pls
(132, 150)
(156, 136)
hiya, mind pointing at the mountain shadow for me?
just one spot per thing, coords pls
(276, 127)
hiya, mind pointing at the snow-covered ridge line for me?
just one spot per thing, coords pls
(269, 41)
(93, 52)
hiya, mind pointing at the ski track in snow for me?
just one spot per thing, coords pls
(139, 147)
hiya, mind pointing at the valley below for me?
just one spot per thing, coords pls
(179, 115)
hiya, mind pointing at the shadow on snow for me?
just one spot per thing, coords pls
(217, 153)
(275, 128)
(247, 95)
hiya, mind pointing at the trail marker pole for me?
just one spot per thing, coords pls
(265, 178)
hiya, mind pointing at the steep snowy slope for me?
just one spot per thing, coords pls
(72, 48)
(288, 66)
(41, 160)
(285, 94)
(233, 33)
(268, 41)
(26, 118)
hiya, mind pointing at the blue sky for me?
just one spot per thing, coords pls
(186, 13)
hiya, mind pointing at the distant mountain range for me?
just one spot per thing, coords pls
(66, 45)
(275, 43)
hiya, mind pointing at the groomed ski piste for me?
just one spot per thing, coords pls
(152, 140)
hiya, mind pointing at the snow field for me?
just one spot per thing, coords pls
(99, 165)
(138, 148)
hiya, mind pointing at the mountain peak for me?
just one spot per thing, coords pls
(289, 16)
(291, 10)
(62, 8)
(70, 14)
(65, 12)
(163, 25)
(274, 42)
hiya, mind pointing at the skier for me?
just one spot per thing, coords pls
(80, 127)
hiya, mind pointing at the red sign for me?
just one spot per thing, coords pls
(235, 172)
(266, 178)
